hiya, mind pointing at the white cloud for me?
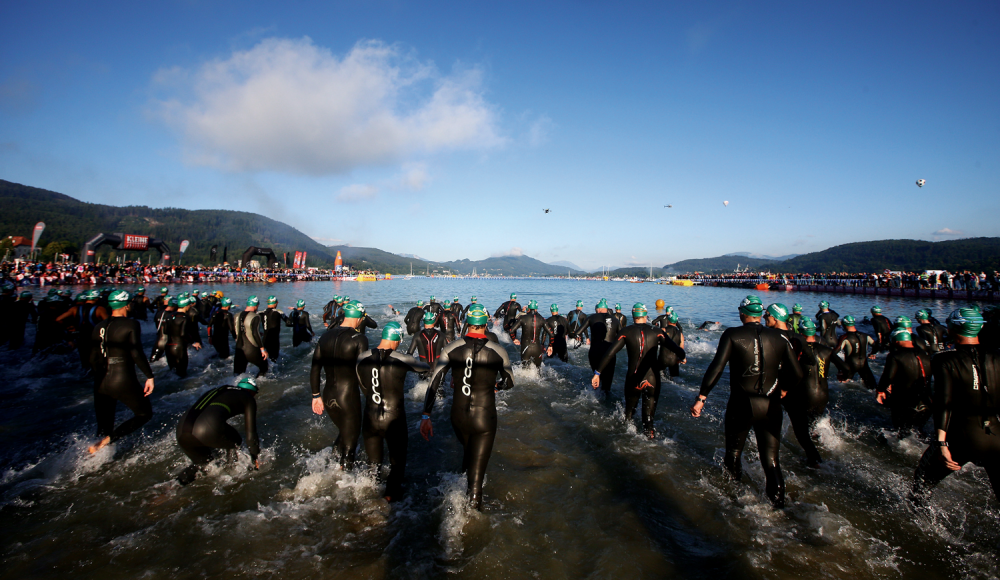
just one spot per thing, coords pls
(289, 105)
(538, 134)
(948, 232)
(414, 177)
(511, 252)
(357, 192)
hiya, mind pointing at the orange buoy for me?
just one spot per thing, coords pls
(763, 286)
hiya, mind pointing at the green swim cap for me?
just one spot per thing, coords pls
(903, 321)
(345, 299)
(778, 311)
(456, 299)
(429, 317)
(966, 322)
(669, 310)
(602, 304)
(638, 309)
(473, 298)
(253, 301)
(248, 383)
(91, 295)
(447, 304)
(672, 318)
(163, 290)
(922, 315)
(392, 331)
(432, 299)
(876, 309)
(807, 327)
(751, 306)
(579, 303)
(183, 301)
(513, 296)
(140, 290)
(532, 305)
(25, 294)
(172, 302)
(225, 302)
(902, 334)
(272, 300)
(80, 298)
(195, 292)
(848, 321)
(554, 308)
(336, 297)
(119, 299)
(300, 304)
(54, 292)
(67, 293)
(477, 317)
(420, 303)
(796, 308)
(354, 309)
(824, 304)
(618, 306)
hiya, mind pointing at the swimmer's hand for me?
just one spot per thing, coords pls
(148, 389)
(783, 394)
(699, 404)
(871, 357)
(317, 405)
(263, 354)
(549, 351)
(197, 346)
(256, 464)
(595, 381)
(948, 461)
(426, 429)
(588, 341)
(517, 342)
(881, 397)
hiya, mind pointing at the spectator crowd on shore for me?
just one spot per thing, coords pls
(925, 280)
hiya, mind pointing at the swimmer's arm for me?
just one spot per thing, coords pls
(616, 346)
(317, 368)
(792, 363)
(250, 421)
(413, 344)
(369, 322)
(943, 394)
(415, 365)
(672, 346)
(506, 374)
(437, 375)
(715, 369)
(135, 345)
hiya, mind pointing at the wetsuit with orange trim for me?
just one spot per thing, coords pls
(533, 335)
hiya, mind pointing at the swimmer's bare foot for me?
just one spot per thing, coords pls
(99, 445)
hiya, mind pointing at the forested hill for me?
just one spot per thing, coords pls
(876, 256)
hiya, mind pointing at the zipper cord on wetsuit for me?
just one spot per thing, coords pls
(760, 374)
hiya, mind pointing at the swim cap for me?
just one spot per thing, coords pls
(345, 299)
(751, 306)
(602, 304)
(473, 298)
(272, 300)
(163, 290)
(354, 309)
(796, 308)
(300, 304)
(172, 301)
(432, 299)
(966, 322)
(218, 293)
(225, 302)
(420, 303)
(513, 296)
(902, 334)
(660, 303)
(638, 309)
(532, 305)
(456, 299)
(554, 308)
(392, 331)
(81, 297)
(54, 292)
(807, 327)
(336, 297)
(253, 301)
(778, 311)
(447, 304)
(7, 288)
(248, 383)
(91, 295)
(25, 294)
(140, 290)
(876, 309)
(183, 301)
(824, 304)
(669, 309)
(195, 292)
(579, 303)
(618, 306)
(903, 321)
(119, 299)
(848, 321)
(922, 315)
(66, 293)
(429, 317)
(477, 317)
(672, 318)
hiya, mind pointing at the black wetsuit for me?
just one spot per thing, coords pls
(966, 406)
(414, 320)
(428, 343)
(508, 311)
(366, 323)
(533, 336)
(756, 356)
(668, 359)
(794, 322)
(604, 331)
(474, 364)
(435, 308)
(194, 330)
(329, 311)
(117, 351)
(448, 324)
(272, 320)
(221, 327)
(204, 428)
(160, 318)
(643, 376)
(465, 311)
(48, 332)
(806, 402)
(337, 353)
(382, 374)
(558, 329)
(21, 312)
(622, 320)
(932, 337)
(248, 344)
(139, 307)
(855, 345)
(826, 327)
(85, 319)
(661, 321)
(176, 328)
(458, 311)
(908, 372)
(883, 331)
(577, 325)
(302, 330)
(7, 302)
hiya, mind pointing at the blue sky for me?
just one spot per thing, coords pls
(443, 129)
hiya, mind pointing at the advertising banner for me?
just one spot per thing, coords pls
(138, 243)
(39, 228)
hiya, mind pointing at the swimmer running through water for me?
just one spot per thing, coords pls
(203, 429)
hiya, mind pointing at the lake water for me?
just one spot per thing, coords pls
(571, 491)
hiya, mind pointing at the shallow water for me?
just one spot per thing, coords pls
(571, 490)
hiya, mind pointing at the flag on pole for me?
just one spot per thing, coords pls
(39, 228)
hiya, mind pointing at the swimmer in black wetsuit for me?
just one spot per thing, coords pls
(826, 324)
(140, 304)
(204, 427)
(447, 322)
(855, 346)
(457, 310)
(508, 311)
(663, 320)
(577, 320)
(48, 332)
(755, 355)
(7, 301)
(490, 336)
(22, 311)
(604, 330)
(905, 385)
(474, 362)
(709, 325)
(302, 330)
(366, 322)
(533, 334)
(934, 336)
(466, 311)
(557, 328)
(622, 320)
(160, 303)
(414, 317)
(220, 327)
(337, 354)
(433, 306)
(667, 358)
(883, 330)
(382, 372)
(82, 318)
(806, 402)
(249, 342)
(330, 310)
(117, 351)
(643, 377)
(272, 319)
(161, 318)
(966, 408)
(428, 342)
(177, 329)
(795, 319)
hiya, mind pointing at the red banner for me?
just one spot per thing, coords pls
(295, 262)
(302, 264)
(37, 233)
(139, 243)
